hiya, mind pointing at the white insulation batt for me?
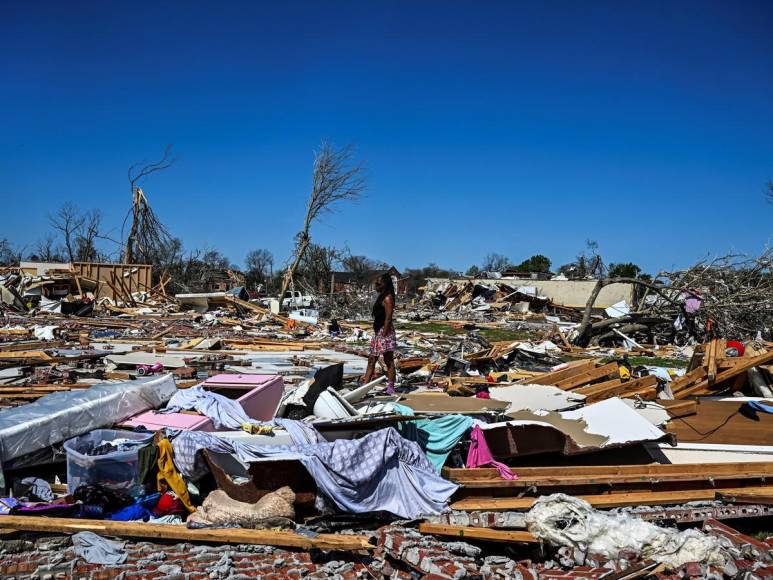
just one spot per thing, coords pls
(562, 520)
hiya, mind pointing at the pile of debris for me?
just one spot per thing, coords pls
(211, 418)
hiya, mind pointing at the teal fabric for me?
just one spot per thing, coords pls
(437, 437)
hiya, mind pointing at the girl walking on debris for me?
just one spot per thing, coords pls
(384, 340)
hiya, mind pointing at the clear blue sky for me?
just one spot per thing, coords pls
(512, 127)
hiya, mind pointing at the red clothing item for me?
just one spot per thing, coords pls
(169, 504)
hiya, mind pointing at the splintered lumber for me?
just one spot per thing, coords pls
(615, 478)
(725, 375)
(656, 470)
(573, 369)
(284, 539)
(710, 361)
(608, 500)
(588, 377)
(471, 533)
(641, 386)
(688, 379)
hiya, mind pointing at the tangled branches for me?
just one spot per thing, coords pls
(730, 296)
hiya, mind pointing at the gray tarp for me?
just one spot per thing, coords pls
(61, 416)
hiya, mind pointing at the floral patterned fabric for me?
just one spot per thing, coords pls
(382, 343)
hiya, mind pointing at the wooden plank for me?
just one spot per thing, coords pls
(587, 377)
(652, 470)
(519, 536)
(711, 361)
(680, 408)
(609, 500)
(629, 388)
(688, 379)
(686, 480)
(598, 387)
(750, 498)
(25, 354)
(728, 374)
(575, 368)
(179, 532)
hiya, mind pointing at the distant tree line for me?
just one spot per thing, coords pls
(587, 265)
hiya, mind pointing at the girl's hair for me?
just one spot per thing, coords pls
(389, 287)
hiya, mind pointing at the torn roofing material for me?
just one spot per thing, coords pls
(536, 397)
(603, 425)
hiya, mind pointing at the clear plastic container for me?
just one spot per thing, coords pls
(118, 470)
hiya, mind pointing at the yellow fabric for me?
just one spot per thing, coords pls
(168, 476)
(258, 429)
(625, 374)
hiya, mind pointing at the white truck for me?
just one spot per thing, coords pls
(294, 299)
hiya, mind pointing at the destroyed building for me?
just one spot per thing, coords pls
(167, 422)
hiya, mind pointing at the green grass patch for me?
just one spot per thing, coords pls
(503, 334)
(433, 326)
(445, 328)
(656, 361)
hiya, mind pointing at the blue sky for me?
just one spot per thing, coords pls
(509, 127)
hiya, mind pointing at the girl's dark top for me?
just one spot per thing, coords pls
(379, 312)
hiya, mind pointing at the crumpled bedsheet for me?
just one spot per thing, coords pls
(224, 412)
(380, 471)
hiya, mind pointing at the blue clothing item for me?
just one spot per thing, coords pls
(760, 406)
(98, 550)
(132, 513)
(149, 501)
(437, 437)
(380, 471)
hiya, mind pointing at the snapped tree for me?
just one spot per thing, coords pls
(335, 179)
(147, 235)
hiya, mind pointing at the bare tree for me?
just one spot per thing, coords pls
(146, 233)
(317, 266)
(495, 263)
(335, 179)
(259, 265)
(588, 264)
(46, 250)
(68, 221)
(86, 236)
(363, 268)
(9, 255)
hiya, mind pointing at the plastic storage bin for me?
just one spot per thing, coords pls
(118, 470)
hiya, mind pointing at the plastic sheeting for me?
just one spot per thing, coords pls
(563, 520)
(61, 416)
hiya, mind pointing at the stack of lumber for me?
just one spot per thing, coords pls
(610, 486)
(597, 381)
(711, 371)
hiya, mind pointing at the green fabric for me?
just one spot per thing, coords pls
(437, 437)
(147, 465)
